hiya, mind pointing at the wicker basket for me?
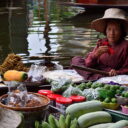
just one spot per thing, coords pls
(30, 113)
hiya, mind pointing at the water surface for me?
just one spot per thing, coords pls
(45, 27)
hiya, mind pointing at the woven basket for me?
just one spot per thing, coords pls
(30, 113)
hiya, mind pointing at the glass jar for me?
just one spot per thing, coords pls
(62, 103)
(45, 92)
(77, 99)
(52, 98)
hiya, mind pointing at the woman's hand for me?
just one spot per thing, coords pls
(112, 72)
(101, 50)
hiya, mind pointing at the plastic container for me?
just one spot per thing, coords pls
(77, 99)
(122, 100)
(62, 103)
(124, 109)
(53, 97)
(45, 92)
(113, 106)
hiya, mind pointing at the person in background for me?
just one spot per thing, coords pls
(110, 53)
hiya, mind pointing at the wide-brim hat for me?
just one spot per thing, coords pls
(111, 13)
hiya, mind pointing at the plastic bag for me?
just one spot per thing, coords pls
(72, 91)
(36, 73)
(60, 85)
(91, 94)
(17, 94)
(19, 97)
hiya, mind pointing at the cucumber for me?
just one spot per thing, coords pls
(105, 125)
(93, 118)
(78, 109)
(120, 124)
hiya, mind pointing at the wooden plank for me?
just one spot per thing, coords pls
(90, 70)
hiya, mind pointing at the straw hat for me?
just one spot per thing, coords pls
(111, 13)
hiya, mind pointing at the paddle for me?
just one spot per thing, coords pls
(90, 70)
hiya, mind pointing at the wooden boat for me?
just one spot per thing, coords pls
(99, 4)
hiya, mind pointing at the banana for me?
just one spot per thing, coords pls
(45, 125)
(74, 124)
(52, 122)
(62, 122)
(68, 121)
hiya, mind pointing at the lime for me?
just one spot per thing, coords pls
(93, 86)
(126, 94)
(121, 88)
(114, 100)
(123, 94)
(117, 86)
(113, 87)
(107, 100)
(118, 91)
(107, 87)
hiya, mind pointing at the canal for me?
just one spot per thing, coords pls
(45, 30)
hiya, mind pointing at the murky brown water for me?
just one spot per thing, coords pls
(45, 27)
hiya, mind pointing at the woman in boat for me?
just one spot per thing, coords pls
(110, 53)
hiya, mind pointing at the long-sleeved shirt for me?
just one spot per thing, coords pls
(117, 60)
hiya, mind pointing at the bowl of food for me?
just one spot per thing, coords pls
(34, 109)
(123, 98)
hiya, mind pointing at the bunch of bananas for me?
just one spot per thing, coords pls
(63, 122)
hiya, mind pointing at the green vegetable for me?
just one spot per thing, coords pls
(37, 124)
(107, 100)
(62, 123)
(78, 109)
(74, 124)
(126, 94)
(68, 121)
(114, 100)
(52, 122)
(92, 118)
(105, 125)
(121, 88)
(119, 124)
(45, 125)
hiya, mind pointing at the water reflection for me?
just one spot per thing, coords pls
(44, 27)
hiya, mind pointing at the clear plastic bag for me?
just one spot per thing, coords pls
(72, 91)
(60, 85)
(36, 73)
(91, 94)
(17, 94)
(19, 97)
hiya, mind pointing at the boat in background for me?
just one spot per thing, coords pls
(99, 4)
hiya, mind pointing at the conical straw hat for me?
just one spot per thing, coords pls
(111, 13)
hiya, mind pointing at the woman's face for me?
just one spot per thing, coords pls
(113, 32)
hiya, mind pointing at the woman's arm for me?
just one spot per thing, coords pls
(91, 60)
